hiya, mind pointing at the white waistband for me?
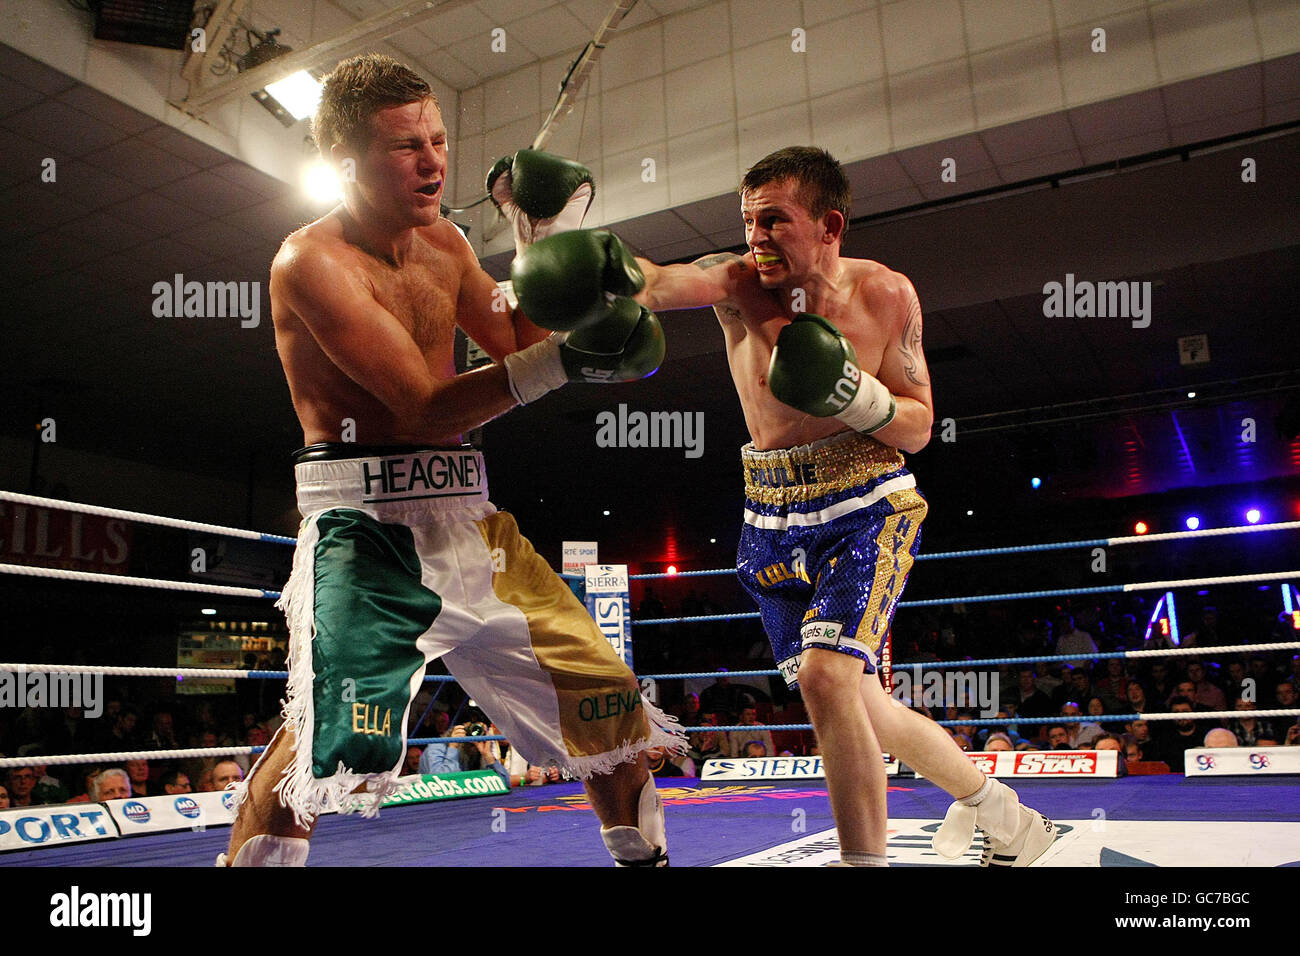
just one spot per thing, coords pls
(825, 515)
(423, 481)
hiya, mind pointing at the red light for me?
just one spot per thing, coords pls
(1140, 528)
(1164, 626)
(672, 569)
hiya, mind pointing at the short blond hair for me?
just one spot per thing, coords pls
(355, 90)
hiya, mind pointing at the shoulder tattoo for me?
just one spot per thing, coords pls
(708, 262)
(910, 345)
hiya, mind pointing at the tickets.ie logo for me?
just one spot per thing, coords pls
(1258, 761)
(1204, 762)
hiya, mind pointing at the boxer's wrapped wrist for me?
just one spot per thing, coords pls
(872, 407)
(536, 370)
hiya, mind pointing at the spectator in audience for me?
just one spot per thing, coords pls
(1031, 702)
(1292, 735)
(1236, 679)
(205, 780)
(1113, 687)
(254, 736)
(1219, 737)
(962, 741)
(458, 757)
(706, 745)
(1095, 707)
(1132, 749)
(1285, 695)
(1141, 733)
(688, 713)
(412, 764)
(755, 748)
(124, 736)
(1161, 685)
(163, 736)
(1137, 698)
(1207, 634)
(1265, 677)
(48, 789)
(21, 783)
(4, 798)
(660, 765)
(1081, 734)
(1248, 729)
(175, 781)
(110, 784)
(1058, 737)
(1069, 640)
(737, 739)
(87, 778)
(1204, 692)
(1048, 679)
(225, 773)
(1185, 735)
(1079, 684)
(138, 772)
(1108, 742)
(998, 741)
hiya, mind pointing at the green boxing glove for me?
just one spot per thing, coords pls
(626, 345)
(815, 370)
(540, 193)
(566, 281)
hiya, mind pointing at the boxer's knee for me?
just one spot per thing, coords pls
(827, 677)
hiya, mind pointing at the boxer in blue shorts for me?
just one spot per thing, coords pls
(826, 356)
(401, 558)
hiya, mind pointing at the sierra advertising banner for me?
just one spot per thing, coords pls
(610, 605)
(772, 768)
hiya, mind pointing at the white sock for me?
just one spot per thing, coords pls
(863, 858)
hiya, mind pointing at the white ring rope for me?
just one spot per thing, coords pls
(94, 577)
(63, 759)
(1206, 532)
(138, 516)
(130, 671)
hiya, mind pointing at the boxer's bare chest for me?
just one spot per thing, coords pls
(752, 320)
(421, 294)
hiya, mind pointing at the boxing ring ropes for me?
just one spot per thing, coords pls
(259, 593)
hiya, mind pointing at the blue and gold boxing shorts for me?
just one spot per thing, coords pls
(831, 531)
(401, 559)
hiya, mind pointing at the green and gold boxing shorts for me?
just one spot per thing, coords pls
(401, 560)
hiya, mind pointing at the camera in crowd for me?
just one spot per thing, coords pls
(475, 729)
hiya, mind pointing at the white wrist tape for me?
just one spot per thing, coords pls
(536, 370)
(872, 407)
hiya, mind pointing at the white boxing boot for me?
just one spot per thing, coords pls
(267, 850)
(645, 844)
(1014, 835)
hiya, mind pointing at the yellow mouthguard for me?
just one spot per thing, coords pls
(765, 257)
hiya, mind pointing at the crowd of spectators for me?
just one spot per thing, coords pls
(1095, 701)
